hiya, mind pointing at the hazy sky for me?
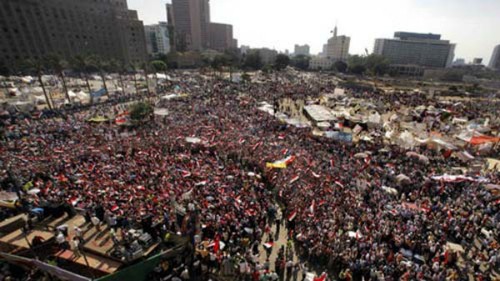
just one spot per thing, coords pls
(474, 25)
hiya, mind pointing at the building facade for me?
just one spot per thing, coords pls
(190, 20)
(268, 56)
(221, 37)
(495, 59)
(35, 28)
(337, 47)
(321, 63)
(157, 39)
(192, 30)
(303, 50)
(423, 50)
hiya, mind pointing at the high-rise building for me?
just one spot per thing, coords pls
(458, 62)
(35, 28)
(302, 50)
(191, 20)
(157, 39)
(495, 59)
(192, 29)
(337, 47)
(221, 37)
(423, 50)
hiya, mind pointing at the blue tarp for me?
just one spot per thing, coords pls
(99, 93)
(339, 136)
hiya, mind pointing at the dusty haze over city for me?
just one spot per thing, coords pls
(472, 25)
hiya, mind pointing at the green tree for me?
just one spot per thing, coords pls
(118, 67)
(102, 66)
(219, 62)
(376, 64)
(172, 60)
(245, 77)
(145, 68)
(281, 62)
(159, 66)
(84, 65)
(340, 66)
(356, 64)
(140, 111)
(253, 61)
(301, 62)
(57, 65)
(133, 70)
(37, 67)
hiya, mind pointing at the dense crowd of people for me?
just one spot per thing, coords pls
(200, 172)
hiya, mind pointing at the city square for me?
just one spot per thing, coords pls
(211, 162)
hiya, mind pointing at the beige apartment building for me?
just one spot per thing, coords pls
(192, 30)
(35, 28)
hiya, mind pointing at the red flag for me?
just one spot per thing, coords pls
(216, 244)
(312, 207)
(322, 277)
(186, 174)
(292, 216)
(294, 179)
(268, 245)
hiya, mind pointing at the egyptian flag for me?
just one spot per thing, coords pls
(216, 244)
(332, 163)
(292, 216)
(241, 141)
(322, 277)
(294, 179)
(339, 184)
(311, 208)
(114, 208)
(120, 120)
(446, 257)
(74, 200)
(281, 136)
(185, 174)
(289, 160)
(256, 145)
(447, 154)
(268, 245)
(315, 175)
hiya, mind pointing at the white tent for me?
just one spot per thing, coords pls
(39, 100)
(27, 79)
(72, 94)
(82, 95)
(161, 76)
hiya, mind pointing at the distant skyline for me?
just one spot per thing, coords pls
(473, 25)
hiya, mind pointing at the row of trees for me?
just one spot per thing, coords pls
(82, 66)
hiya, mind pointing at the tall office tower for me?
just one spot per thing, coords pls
(301, 50)
(190, 19)
(157, 39)
(337, 47)
(221, 37)
(495, 59)
(35, 28)
(423, 50)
